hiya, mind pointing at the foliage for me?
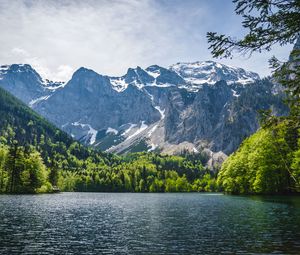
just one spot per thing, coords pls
(268, 21)
(267, 162)
(22, 171)
(141, 172)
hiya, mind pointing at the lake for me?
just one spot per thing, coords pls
(135, 223)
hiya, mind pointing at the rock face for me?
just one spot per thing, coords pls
(26, 84)
(189, 106)
(89, 99)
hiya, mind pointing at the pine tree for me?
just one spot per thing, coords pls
(269, 22)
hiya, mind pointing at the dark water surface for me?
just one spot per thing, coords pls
(111, 223)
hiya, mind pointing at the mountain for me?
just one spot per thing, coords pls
(211, 72)
(20, 123)
(27, 125)
(35, 156)
(189, 106)
(25, 83)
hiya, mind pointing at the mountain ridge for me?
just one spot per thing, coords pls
(154, 108)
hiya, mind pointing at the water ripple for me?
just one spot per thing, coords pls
(110, 223)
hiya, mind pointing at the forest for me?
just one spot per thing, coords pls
(22, 170)
(267, 162)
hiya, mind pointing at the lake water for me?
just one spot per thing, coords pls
(124, 223)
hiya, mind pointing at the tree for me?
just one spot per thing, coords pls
(34, 175)
(3, 172)
(296, 163)
(265, 167)
(182, 184)
(264, 163)
(269, 22)
(14, 165)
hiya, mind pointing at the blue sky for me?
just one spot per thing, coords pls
(108, 36)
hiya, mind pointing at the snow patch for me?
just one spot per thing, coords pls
(111, 131)
(152, 130)
(138, 131)
(199, 81)
(210, 72)
(234, 93)
(56, 87)
(151, 96)
(153, 147)
(162, 112)
(35, 101)
(154, 74)
(92, 132)
(118, 84)
(129, 129)
(64, 125)
(3, 70)
(110, 148)
(163, 85)
(195, 150)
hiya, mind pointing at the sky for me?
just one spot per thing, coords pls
(56, 37)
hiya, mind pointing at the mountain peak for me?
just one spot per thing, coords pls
(28, 69)
(210, 72)
(83, 71)
(25, 70)
(17, 68)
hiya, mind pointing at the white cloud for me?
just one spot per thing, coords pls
(64, 72)
(20, 52)
(61, 73)
(108, 36)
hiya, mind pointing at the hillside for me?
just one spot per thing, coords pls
(19, 122)
(27, 125)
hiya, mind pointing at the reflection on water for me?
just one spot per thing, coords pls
(111, 223)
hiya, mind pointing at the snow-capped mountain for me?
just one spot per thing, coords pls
(193, 106)
(25, 83)
(186, 75)
(209, 72)
(155, 76)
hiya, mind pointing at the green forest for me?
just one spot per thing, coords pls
(267, 162)
(22, 170)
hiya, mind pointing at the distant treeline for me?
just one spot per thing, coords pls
(22, 170)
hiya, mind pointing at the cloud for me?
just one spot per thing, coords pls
(61, 73)
(108, 36)
(20, 52)
(64, 72)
